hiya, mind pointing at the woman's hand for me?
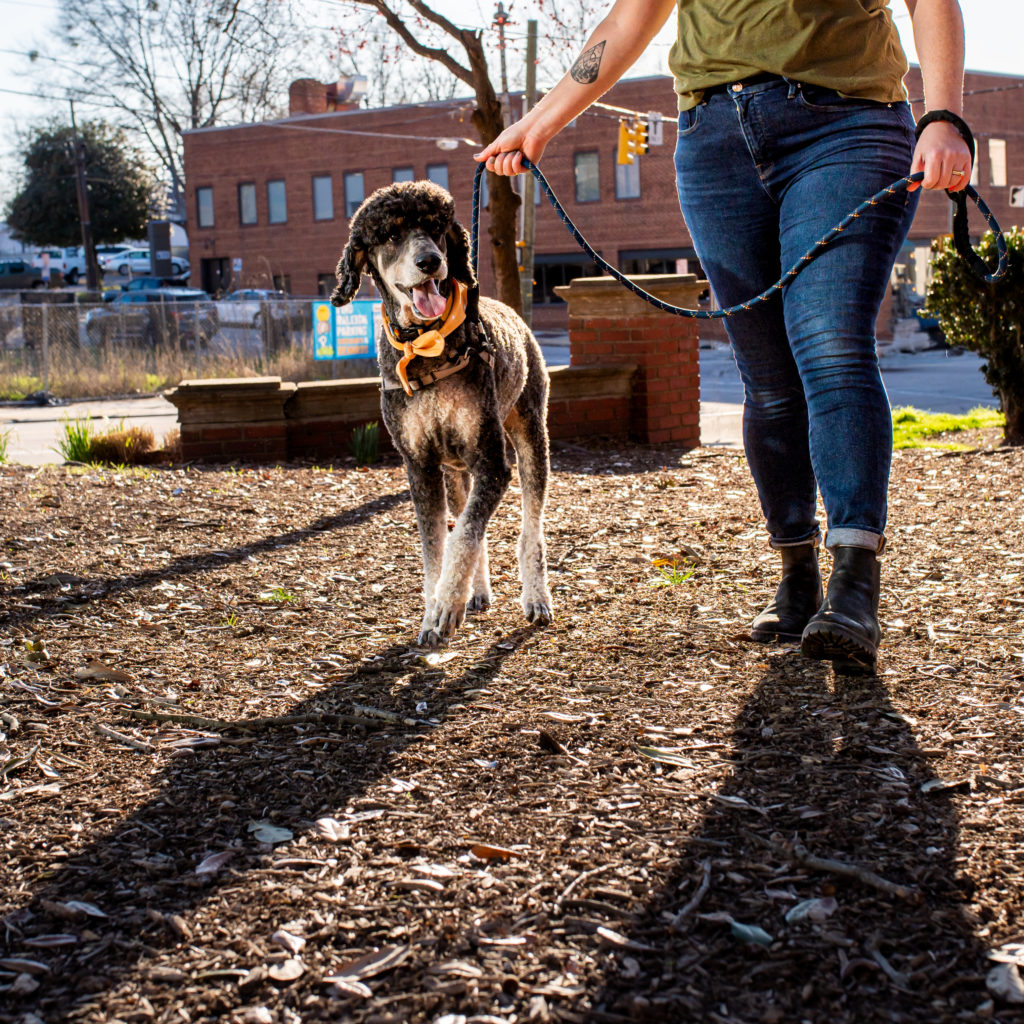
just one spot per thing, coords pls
(505, 154)
(943, 156)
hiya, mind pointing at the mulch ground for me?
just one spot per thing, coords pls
(232, 789)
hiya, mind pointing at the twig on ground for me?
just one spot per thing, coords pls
(801, 855)
(695, 900)
(128, 741)
(577, 880)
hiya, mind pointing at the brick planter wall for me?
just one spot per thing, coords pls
(609, 325)
(633, 372)
(265, 420)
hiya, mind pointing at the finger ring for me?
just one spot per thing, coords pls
(957, 174)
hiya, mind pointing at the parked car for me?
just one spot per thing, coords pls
(137, 261)
(151, 317)
(249, 307)
(16, 273)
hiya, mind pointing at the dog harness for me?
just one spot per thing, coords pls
(431, 344)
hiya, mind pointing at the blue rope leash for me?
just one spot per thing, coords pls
(701, 314)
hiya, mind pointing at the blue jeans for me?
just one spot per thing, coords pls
(763, 172)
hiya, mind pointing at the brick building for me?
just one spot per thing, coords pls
(269, 202)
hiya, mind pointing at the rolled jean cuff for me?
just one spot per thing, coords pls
(848, 537)
(812, 538)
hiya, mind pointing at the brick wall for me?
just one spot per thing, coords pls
(634, 372)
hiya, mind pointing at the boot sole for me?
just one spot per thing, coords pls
(831, 642)
(767, 636)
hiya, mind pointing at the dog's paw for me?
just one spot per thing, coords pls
(448, 616)
(538, 610)
(429, 637)
(480, 601)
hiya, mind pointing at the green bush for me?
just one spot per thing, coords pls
(985, 318)
(365, 443)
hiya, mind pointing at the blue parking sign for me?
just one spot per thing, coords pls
(345, 332)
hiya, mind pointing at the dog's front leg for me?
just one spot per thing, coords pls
(427, 487)
(491, 475)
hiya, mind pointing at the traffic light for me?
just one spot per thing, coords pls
(632, 140)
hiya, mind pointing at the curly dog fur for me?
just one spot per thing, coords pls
(452, 434)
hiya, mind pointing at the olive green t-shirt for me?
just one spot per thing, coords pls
(848, 45)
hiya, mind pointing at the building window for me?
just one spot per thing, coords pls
(204, 207)
(553, 269)
(403, 174)
(660, 261)
(355, 192)
(997, 161)
(627, 180)
(325, 284)
(277, 202)
(588, 182)
(247, 203)
(438, 173)
(323, 198)
(283, 283)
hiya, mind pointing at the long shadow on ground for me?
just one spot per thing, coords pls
(837, 770)
(142, 871)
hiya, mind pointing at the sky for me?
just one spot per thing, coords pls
(994, 30)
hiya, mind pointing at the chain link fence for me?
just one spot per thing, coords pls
(49, 342)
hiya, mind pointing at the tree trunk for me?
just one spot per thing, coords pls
(504, 203)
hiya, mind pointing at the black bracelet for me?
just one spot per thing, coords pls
(955, 120)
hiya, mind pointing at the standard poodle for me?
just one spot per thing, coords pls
(459, 374)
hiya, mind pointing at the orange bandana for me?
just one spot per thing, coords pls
(429, 344)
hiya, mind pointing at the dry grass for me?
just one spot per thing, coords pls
(88, 373)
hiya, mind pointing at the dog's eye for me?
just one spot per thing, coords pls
(394, 236)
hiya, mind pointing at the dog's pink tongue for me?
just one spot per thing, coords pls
(429, 302)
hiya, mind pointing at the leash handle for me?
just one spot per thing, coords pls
(976, 263)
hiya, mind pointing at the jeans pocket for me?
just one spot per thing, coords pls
(819, 97)
(689, 120)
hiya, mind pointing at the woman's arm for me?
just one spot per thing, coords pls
(939, 37)
(609, 52)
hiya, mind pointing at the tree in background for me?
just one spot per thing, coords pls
(985, 318)
(171, 65)
(429, 35)
(45, 209)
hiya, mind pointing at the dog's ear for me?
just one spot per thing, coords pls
(349, 272)
(457, 254)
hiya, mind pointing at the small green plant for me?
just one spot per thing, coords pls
(671, 573)
(5, 446)
(280, 595)
(913, 428)
(231, 620)
(75, 444)
(365, 443)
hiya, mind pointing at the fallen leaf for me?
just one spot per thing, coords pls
(212, 864)
(371, 965)
(485, 852)
(287, 970)
(95, 669)
(1004, 982)
(332, 830)
(814, 910)
(288, 940)
(264, 832)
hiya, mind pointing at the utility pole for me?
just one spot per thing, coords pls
(92, 270)
(529, 182)
(501, 19)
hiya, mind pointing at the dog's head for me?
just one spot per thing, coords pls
(406, 237)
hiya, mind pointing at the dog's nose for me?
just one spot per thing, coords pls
(428, 262)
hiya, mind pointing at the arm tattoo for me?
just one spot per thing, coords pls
(588, 64)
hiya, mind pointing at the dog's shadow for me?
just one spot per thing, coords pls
(140, 873)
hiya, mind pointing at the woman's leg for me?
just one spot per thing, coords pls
(734, 223)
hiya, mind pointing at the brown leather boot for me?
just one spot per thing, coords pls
(797, 598)
(845, 630)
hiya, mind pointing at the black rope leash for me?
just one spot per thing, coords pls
(962, 242)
